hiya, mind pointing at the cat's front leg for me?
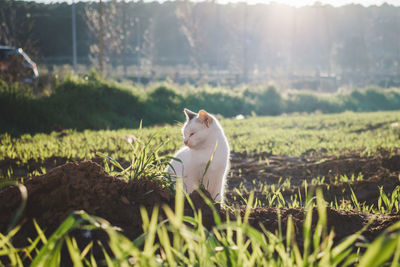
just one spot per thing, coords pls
(190, 184)
(213, 183)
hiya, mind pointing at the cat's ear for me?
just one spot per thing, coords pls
(189, 114)
(205, 118)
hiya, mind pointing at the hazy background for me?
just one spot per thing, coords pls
(297, 3)
(318, 47)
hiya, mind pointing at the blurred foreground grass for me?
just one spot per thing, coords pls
(180, 240)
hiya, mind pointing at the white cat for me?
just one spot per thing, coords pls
(204, 139)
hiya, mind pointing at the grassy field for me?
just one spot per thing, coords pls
(277, 162)
(292, 135)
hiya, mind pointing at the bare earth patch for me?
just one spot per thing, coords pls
(364, 173)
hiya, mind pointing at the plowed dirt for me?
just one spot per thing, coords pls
(365, 174)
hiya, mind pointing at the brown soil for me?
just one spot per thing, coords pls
(373, 171)
(82, 186)
(85, 186)
(22, 170)
(248, 172)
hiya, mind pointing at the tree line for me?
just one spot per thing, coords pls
(210, 36)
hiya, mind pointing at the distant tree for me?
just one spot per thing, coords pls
(149, 44)
(273, 39)
(192, 22)
(16, 26)
(116, 27)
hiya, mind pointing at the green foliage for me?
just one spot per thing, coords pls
(266, 101)
(76, 103)
(163, 105)
(222, 102)
(94, 103)
(145, 161)
(373, 99)
(310, 102)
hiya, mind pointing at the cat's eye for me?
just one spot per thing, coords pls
(191, 134)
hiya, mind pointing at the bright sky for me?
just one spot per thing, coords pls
(297, 3)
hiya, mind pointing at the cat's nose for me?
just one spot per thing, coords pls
(186, 142)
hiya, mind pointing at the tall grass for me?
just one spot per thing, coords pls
(145, 160)
(181, 240)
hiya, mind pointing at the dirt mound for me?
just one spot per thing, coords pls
(22, 169)
(81, 186)
(85, 186)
